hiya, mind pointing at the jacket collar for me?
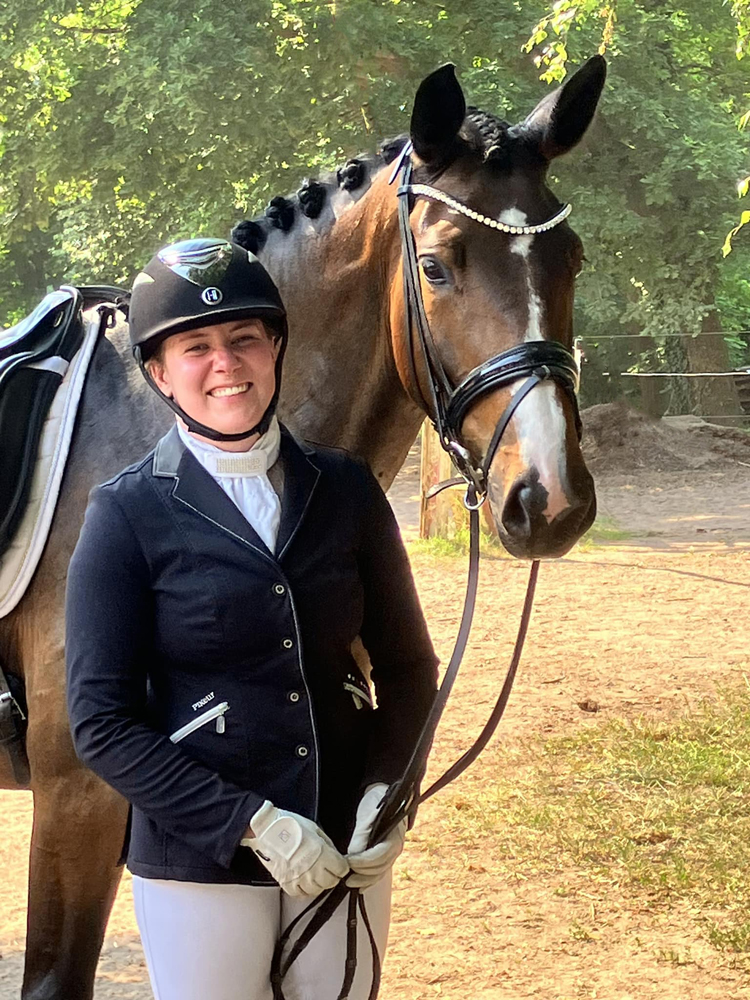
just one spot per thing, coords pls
(198, 490)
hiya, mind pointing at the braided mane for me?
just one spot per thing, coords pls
(483, 133)
(310, 198)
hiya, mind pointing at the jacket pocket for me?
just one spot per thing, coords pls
(216, 712)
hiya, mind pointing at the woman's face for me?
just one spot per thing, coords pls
(223, 375)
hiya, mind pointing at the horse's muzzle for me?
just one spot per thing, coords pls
(526, 530)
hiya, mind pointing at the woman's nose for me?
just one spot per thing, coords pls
(225, 360)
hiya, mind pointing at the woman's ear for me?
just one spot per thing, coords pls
(158, 373)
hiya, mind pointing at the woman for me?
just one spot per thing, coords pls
(213, 599)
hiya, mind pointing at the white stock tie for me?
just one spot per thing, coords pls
(244, 477)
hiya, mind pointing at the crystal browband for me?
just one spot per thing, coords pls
(430, 192)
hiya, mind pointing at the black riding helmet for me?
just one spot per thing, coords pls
(197, 283)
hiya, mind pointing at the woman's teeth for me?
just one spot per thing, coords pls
(232, 390)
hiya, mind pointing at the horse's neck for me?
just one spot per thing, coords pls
(340, 383)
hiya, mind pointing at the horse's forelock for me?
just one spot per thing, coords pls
(486, 134)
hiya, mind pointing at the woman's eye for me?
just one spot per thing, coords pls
(196, 348)
(433, 270)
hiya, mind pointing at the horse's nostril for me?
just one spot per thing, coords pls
(523, 507)
(578, 518)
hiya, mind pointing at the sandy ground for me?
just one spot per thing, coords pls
(647, 625)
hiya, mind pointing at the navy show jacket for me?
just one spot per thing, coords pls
(181, 623)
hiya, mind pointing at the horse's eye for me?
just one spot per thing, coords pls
(433, 270)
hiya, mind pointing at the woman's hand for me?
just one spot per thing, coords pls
(370, 865)
(301, 858)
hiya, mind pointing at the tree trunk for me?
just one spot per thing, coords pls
(712, 397)
(652, 389)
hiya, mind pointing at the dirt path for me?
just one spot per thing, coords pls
(671, 511)
(647, 626)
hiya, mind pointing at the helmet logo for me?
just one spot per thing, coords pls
(211, 296)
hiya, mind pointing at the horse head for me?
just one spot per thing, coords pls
(486, 290)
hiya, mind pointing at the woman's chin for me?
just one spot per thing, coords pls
(230, 416)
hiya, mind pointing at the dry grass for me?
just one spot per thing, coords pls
(650, 809)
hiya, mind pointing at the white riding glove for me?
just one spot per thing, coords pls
(369, 866)
(301, 858)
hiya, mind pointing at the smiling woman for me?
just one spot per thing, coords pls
(214, 597)
(224, 375)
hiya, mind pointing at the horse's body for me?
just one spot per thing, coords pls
(347, 382)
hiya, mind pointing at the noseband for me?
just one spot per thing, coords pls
(536, 360)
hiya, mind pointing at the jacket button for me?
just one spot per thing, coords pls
(279, 588)
(293, 696)
(302, 751)
(287, 643)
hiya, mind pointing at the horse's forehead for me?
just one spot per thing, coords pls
(491, 189)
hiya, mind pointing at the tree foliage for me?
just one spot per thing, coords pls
(665, 188)
(126, 123)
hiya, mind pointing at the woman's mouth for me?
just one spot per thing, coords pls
(229, 390)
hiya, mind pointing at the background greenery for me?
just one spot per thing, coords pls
(126, 123)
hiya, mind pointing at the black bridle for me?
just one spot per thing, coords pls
(536, 362)
(448, 404)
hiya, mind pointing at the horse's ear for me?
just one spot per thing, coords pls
(559, 121)
(438, 114)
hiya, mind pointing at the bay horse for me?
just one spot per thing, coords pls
(334, 250)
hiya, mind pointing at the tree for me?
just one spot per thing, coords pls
(127, 123)
(665, 190)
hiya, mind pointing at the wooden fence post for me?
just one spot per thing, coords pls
(436, 517)
(444, 515)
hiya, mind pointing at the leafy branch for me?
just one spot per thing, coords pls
(741, 12)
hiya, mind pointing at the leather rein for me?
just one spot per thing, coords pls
(447, 405)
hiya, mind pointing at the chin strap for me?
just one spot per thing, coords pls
(195, 426)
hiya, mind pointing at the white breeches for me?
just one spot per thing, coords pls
(216, 942)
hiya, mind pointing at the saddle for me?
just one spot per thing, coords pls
(36, 427)
(34, 358)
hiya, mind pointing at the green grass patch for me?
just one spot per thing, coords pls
(457, 544)
(605, 529)
(661, 809)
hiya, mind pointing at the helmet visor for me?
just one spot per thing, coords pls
(201, 262)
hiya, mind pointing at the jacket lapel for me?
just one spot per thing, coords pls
(300, 479)
(198, 490)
